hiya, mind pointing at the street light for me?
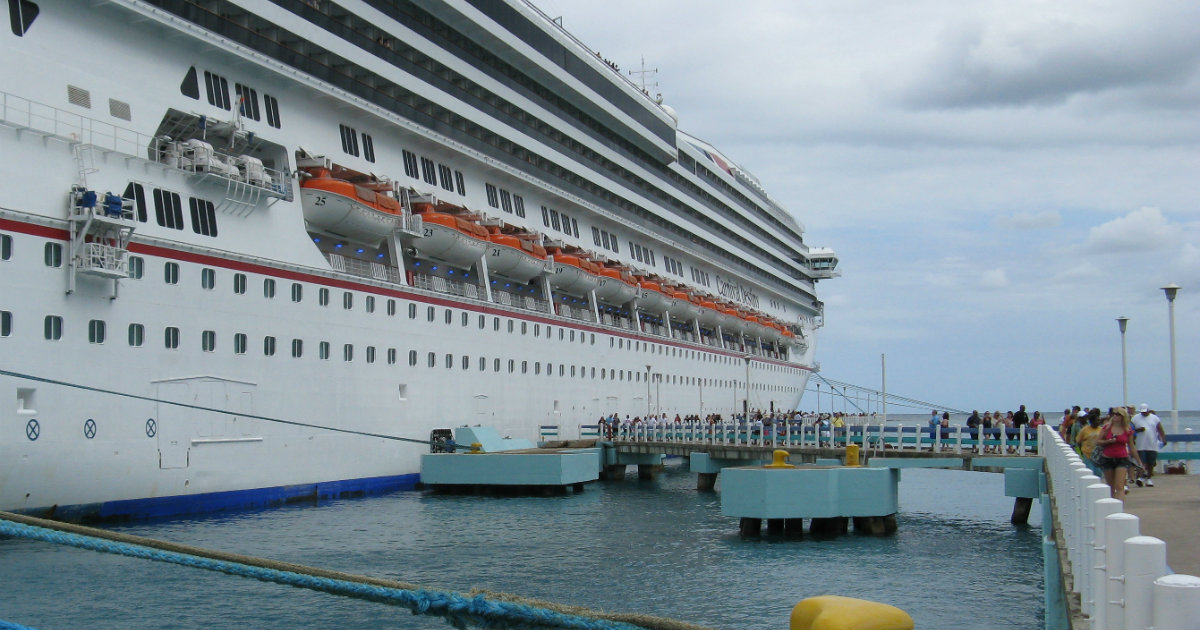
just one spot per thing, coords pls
(1121, 322)
(647, 391)
(1171, 290)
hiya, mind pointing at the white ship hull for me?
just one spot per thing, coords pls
(229, 354)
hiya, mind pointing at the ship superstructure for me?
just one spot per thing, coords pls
(245, 244)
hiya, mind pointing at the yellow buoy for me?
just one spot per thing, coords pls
(779, 460)
(834, 612)
(852, 455)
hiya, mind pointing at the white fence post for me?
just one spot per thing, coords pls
(1093, 493)
(1117, 528)
(1145, 561)
(1100, 511)
(1177, 602)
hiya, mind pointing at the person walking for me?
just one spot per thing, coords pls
(1115, 442)
(1150, 438)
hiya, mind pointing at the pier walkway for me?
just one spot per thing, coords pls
(1168, 511)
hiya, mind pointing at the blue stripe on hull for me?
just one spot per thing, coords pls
(191, 504)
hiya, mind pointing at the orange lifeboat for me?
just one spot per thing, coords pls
(361, 210)
(572, 272)
(515, 254)
(448, 234)
(616, 286)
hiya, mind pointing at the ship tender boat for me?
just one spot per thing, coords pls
(283, 248)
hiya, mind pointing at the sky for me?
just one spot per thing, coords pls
(1000, 179)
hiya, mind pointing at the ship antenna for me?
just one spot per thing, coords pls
(647, 79)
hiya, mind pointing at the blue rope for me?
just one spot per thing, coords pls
(458, 609)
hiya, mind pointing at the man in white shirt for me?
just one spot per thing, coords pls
(1149, 438)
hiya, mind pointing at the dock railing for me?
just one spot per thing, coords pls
(1120, 577)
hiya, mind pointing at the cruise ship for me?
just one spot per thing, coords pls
(260, 251)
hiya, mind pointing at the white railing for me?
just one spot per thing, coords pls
(1121, 577)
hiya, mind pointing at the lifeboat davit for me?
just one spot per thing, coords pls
(515, 255)
(340, 207)
(449, 237)
(573, 274)
(651, 297)
(615, 287)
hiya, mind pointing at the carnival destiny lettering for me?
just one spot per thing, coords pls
(736, 292)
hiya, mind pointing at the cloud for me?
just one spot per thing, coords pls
(1043, 57)
(1029, 220)
(1145, 229)
(994, 279)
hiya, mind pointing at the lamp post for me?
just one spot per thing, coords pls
(647, 391)
(1171, 290)
(1121, 322)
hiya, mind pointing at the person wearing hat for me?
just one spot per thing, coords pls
(1150, 437)
(1117, 453)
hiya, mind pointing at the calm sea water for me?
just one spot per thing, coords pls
(655, 547)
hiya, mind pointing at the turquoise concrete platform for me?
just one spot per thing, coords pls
(809, 492)
(489, 440)
(705, 463)
(545, 467)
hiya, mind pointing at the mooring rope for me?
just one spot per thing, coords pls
(480, 608)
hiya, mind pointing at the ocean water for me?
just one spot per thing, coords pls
(655, 547)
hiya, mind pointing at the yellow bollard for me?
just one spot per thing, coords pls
(476, 448)
(852, 455)
(834, 612)
(779, 460)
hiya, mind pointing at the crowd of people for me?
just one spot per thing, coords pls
(1115, 443)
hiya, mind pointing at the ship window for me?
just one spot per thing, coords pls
(449, 361)
(370, 303)
(496, 324)
(323, 350)
(208, 278)
(137, 335)
(496, 364)
(458, 181)
(466, 362)
(449, 316)
(431, 359)
(596, 237)
(272, 107)
(53, 254)
(217, 89)
(297, 292)
(204, 216)
(493, 197)
(466, 318)
(545, 216)
(510, 325)
(239, 343)
(554, 220)
(506, 201)
(171, 273)
(445, 176)
(525, 367)
(96, 329)
(247, 101)
(5, 323)
(171, 337)
(391, 307)
(412, 311)
(566, 223)
(370, 354)
(482, 321)
(519, 205)
(168, 209)
(410, 163)
(137, 193)
(537, 330)
(412, 357)
(269, 346)
(5, 247)
(269, 288)
(537, 368)
(511, 366)
(208, 340)
(190, 87)
(391, 356)
(429, 313)
(347, 300)
(524, 327)
(427, 171)
(297, 348)
(22, 14)
(368, 148)
(323, 296)
(239, 283)
(349, 140)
